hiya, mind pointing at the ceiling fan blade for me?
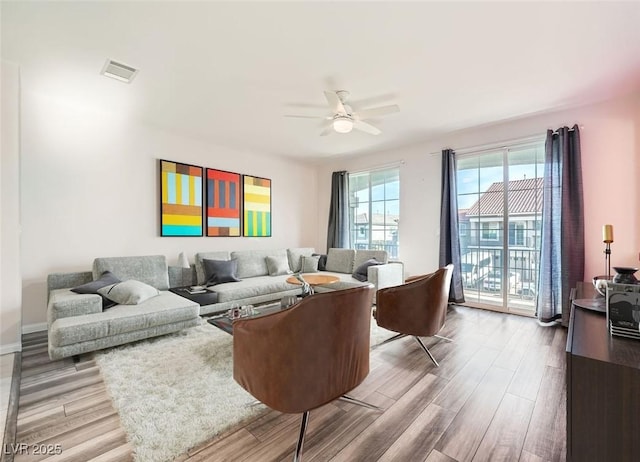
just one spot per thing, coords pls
(308, 116)
(366, 127)
(376, 111)
(334, 102)
(327, 131)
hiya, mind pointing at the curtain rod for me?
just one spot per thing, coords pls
(497, 145)
(502, 144)
(581, 127)
(377, 167)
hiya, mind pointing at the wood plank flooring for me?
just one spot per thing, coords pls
(64, 411)
(499, 395)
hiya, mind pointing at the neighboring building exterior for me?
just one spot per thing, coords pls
(482, 229)
(383, 229)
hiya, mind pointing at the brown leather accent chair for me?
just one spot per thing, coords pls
(417, 307)
(306, 356)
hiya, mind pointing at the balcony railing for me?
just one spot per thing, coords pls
(522, 261)
(392, 249)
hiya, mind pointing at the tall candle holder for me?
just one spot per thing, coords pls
(607, 238)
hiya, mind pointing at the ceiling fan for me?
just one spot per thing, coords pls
(344, 119)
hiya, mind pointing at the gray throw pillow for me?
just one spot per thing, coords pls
(219, 271)
(322, 262)
(106, 279)
(278, 265)
(361, 271)
(309, 264)
(129, 292)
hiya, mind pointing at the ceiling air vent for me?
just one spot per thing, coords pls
(119, 71)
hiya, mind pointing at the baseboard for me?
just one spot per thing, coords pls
(31, 328)
(10, 348)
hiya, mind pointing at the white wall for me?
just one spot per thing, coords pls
(610, 141)
(90, 188)
(10, 292)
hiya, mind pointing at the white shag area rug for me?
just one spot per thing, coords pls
(177, 391)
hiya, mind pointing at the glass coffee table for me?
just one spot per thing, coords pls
(225, 323)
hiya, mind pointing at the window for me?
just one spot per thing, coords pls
(516, 234)
(490, 231)
(374, 210)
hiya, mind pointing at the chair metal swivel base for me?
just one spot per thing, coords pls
(297, 457)
(426, 350)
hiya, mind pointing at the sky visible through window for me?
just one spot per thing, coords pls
(476, 174)
(384, 197)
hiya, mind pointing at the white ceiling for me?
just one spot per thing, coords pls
(228, 72)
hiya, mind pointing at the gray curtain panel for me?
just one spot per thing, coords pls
(449, 237)
(338, 230)
(562, 246)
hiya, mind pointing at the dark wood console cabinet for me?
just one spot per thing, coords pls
(603, 389)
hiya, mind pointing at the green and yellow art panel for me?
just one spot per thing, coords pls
(257, 206)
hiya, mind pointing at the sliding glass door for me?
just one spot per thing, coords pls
(500, 212)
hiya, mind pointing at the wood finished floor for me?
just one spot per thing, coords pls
(498, 395)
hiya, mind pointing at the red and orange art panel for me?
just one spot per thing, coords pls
(223, 203)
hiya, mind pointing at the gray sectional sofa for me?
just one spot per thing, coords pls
(257, 286)
(78, 324)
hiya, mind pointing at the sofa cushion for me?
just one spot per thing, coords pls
(295, 255)
(106, 279)
(340, 260)
(166, 308)
(361, 271)
(129, 292)
(252, 263)
(278, 265)
(200, 256)
(66, 280)
(180, 277)
(363, 255)
(150, 269)
(253, 287)
(309, 264)
(64, 303)
(219, 271)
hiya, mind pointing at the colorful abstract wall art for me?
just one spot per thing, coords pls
(181, 193)
(257, 206)
(223, 203)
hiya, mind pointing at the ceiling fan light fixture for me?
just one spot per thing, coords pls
(344, 119)
(342, 124)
